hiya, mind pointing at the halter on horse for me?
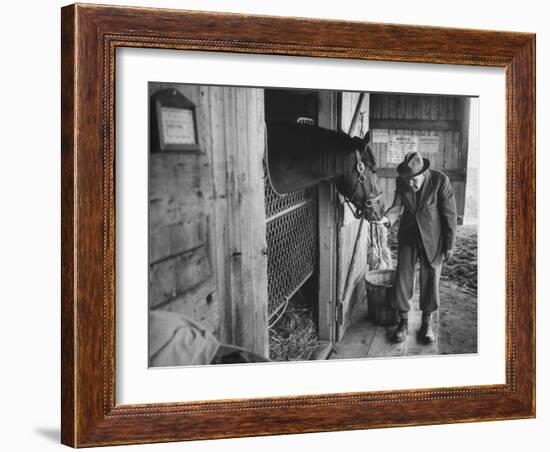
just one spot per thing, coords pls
(303, 155)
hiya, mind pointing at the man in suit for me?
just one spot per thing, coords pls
(424, 200)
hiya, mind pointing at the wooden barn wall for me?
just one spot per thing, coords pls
(204, 260)
(349, 225)
(446, 117)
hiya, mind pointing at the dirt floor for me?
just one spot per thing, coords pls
(458, 290)
(458, 311)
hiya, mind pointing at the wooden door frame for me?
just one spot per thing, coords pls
(327, 280)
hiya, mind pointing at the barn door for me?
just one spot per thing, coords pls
(348, 225)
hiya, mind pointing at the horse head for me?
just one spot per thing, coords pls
(359, 184)
(303, 155)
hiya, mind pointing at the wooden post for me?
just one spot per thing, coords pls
(471, 202)
(248, 259)
(327, 231)
(463, 145)
(236, 118)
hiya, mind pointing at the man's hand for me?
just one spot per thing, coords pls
(448, 256)
(384, 220)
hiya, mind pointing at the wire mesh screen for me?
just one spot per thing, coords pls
(275, 204)
(292, 242)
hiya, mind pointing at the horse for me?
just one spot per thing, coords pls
(301, 155)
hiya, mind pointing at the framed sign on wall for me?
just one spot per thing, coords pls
(174, 123)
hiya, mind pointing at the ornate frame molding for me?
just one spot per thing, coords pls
(90, 37)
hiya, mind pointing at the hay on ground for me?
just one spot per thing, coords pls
(294, 337)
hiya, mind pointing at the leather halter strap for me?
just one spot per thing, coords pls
(359, 211)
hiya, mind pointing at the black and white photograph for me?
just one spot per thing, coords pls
(234, 225)
(290, 224)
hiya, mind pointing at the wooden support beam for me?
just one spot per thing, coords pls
(432, 125)
(328, 118)
(327, 262)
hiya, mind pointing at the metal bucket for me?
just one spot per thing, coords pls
(379, 295)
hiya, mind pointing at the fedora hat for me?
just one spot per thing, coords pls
(413, 165)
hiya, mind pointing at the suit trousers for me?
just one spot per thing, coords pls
(408, 255)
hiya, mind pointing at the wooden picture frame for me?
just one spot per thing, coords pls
(90, 37)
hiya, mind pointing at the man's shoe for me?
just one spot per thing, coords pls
(426, 333)
(401, 331)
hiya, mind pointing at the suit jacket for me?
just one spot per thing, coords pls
(434, 216)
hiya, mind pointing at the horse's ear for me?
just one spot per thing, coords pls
(366, 138)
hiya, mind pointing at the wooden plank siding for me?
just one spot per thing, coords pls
(348, 225)
(180, 205)
(446, 117)
(204, 260)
